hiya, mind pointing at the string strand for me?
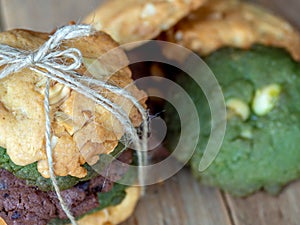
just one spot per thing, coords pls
(50, 154)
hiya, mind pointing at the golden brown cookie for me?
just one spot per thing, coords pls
(136, 20)
(81, 129)
(116, 214)
(221, 23)
(2, 222)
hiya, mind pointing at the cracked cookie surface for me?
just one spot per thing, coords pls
(22, 119)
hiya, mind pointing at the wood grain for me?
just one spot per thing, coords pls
(264, 209)
(181, 201)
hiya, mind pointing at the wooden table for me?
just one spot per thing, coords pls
(180, 200)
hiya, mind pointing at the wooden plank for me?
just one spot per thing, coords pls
(45, 15)
(264, 209)
(1, 17)
(181, 200)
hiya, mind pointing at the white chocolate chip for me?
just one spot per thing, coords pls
(149, 10)
(165, 26)
(178, 36)
(54, 141)
(247, 134)
(239, 108)
(265, 99)
(58, 93)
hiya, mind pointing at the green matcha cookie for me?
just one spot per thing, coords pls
(261, 148)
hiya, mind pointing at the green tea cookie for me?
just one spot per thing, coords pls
(261, 144)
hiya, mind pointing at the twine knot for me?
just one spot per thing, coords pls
(48, 55)
(29, 60)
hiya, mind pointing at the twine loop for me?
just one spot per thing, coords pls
(48, 55)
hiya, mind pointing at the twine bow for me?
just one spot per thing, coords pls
(60, 65)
